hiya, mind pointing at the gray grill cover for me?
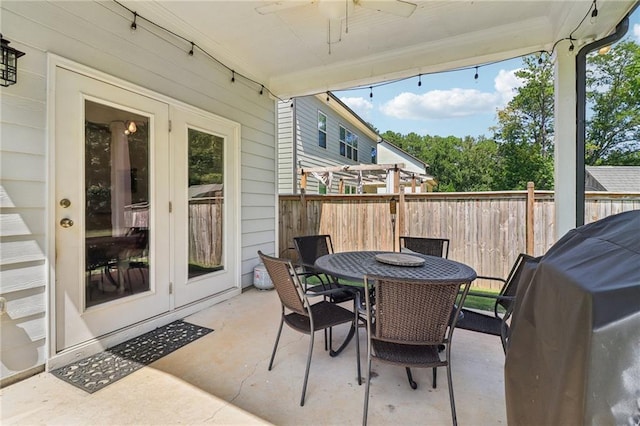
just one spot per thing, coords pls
(574, 351)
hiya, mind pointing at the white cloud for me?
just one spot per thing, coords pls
(453, 103)
(359, 105)
(636, 32)
(506, 84)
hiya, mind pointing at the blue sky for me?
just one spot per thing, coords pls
(452, 103)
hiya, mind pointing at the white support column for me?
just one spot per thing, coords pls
(565, 138)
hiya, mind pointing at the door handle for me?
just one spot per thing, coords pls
(66, 222)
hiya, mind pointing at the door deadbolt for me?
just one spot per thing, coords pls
(66, 222)
(65, 203)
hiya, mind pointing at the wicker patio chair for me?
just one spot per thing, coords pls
(302, 316)
(410, 321)
(311, 247)
(431, 246)
(497, 324)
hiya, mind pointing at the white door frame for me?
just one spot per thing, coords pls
(54, 359)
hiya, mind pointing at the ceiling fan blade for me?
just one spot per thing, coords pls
(277, 6)
(397, 7)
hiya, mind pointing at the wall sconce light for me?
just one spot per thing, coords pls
(9, 64)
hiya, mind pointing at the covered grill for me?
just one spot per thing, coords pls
(574, 352)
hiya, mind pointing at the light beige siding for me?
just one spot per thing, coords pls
(97, 34)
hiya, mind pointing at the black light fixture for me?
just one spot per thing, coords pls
(9, 64)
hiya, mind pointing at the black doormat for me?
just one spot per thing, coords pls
(97, 371)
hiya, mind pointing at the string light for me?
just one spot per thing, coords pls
(594, 13)
(134, 25)
(540, 58)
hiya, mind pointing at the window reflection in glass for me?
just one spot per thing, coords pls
(206, 202)
(116, 203)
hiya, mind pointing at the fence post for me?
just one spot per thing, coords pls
(401, 214)
(303, 202)
(530, 234)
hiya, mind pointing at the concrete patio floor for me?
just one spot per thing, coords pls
(222, 378)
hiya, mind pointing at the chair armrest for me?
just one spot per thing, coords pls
(484, 277)
(326, 292)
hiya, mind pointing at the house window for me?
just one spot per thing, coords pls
(348, 144)
(374, 155)
(322, 130)
(322, 188)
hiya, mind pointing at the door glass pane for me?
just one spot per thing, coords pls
(206, 202)
(116, 203)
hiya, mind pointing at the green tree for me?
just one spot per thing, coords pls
(529, 115)
(525, 129)
(613, 92)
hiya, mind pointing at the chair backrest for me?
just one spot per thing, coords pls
(286, 282)
(413, 311)
(430, 246)
(311, 247)
(510, 287)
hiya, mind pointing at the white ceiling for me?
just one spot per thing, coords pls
(287, 49)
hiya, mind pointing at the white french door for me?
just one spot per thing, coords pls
(205, 152)
(147, 216)
(112, 215)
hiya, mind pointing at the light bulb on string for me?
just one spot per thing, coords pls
(419, 80)
(191, 51)
(475, 77)
(261, 89)
(134, 25)
(371, 92)
(233, 76)
(594, 13)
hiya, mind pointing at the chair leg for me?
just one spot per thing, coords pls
(326, 344)
(366, 392)
(355, 324)
(451, 399)
(275, 346)
(306, 373)
(413, 384)
(435, 377)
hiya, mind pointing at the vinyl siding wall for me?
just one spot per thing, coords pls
(98, 35)
(286, 160)
(308, 152)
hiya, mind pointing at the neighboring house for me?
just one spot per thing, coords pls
(96, 139)
(612, 178)
(388, 153)
(320, 131)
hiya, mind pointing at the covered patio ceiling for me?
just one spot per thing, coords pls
(284, 44)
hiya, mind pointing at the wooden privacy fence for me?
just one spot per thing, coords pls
(487, 230)
(205, 232)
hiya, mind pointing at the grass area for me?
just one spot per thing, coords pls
(472, 302)
(479, 302)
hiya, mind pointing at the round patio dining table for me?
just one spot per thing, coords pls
(354, 265)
